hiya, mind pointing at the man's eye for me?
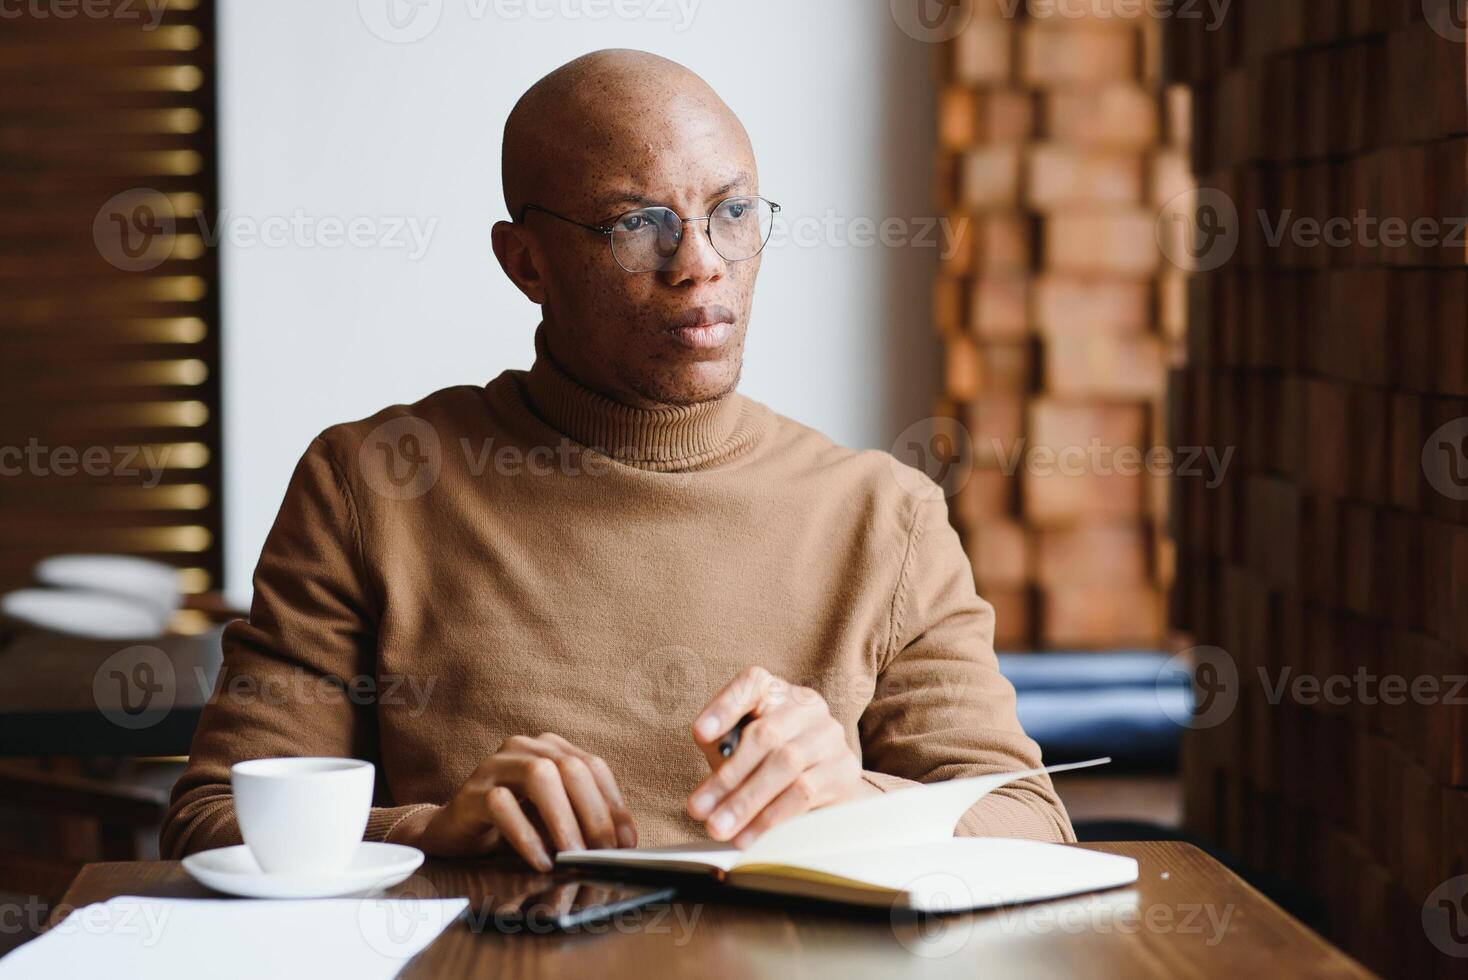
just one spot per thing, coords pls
(735, 210)
(633, 222)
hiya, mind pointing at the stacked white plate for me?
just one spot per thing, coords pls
(110, 597)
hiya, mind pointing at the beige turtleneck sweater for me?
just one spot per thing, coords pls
(447, 574)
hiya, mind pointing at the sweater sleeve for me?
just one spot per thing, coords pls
(942, 709)
(295, 676)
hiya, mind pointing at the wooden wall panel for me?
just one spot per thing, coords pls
(1061, 315)
(1337, 547)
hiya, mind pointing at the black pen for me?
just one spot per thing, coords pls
(730, 741)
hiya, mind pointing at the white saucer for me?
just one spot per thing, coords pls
(233, 870)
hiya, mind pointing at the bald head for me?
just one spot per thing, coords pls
(593, 115)
(604, 136)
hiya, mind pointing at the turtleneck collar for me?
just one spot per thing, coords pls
(663, 439)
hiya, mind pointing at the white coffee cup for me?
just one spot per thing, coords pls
(303, 814)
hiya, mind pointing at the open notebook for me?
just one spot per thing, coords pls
(893, 850)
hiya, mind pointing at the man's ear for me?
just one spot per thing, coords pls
(515, 247)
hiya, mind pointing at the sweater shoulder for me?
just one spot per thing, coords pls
(873, 475)
(431, 420)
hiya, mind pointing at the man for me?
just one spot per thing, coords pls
(540, 605)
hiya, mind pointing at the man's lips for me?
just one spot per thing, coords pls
(705, 336)
(706, 328)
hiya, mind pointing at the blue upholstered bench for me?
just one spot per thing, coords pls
(1129, 705)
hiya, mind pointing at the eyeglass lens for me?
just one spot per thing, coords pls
(647, 239)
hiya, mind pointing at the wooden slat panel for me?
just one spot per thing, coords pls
(109, 380)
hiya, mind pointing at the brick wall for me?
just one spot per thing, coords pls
(1057, 148)
(1336, 550)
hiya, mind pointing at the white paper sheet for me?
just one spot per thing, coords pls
(162, 938)
(918, 815)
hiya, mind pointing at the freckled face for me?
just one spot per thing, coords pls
(674, 336)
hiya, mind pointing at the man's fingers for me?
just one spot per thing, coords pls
(738, 698)
(549, 743)
(625, 828)
(621, 816)
(799, 797)
(779, 769)
(505, 812)
(761, 737)
(758, 738)
(547, 795)
(540, 782)
(595, 763)
(592, 812)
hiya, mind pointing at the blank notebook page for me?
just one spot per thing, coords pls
(163, 938)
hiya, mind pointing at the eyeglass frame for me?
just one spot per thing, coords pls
(608, 229)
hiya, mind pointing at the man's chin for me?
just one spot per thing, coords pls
(691, 384)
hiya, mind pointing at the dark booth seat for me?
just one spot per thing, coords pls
(1131, 706)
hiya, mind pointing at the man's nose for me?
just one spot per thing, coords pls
(696, 260)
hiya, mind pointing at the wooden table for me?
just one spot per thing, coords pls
(1187, 916)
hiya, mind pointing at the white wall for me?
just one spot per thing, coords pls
(324, 120)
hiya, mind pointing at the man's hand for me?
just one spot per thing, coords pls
(792, 757)
(573, 803)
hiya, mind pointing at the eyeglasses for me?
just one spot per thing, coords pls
(647, 239)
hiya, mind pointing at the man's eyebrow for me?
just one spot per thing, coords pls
(622, 197)
(738, 180)
(606, 204)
